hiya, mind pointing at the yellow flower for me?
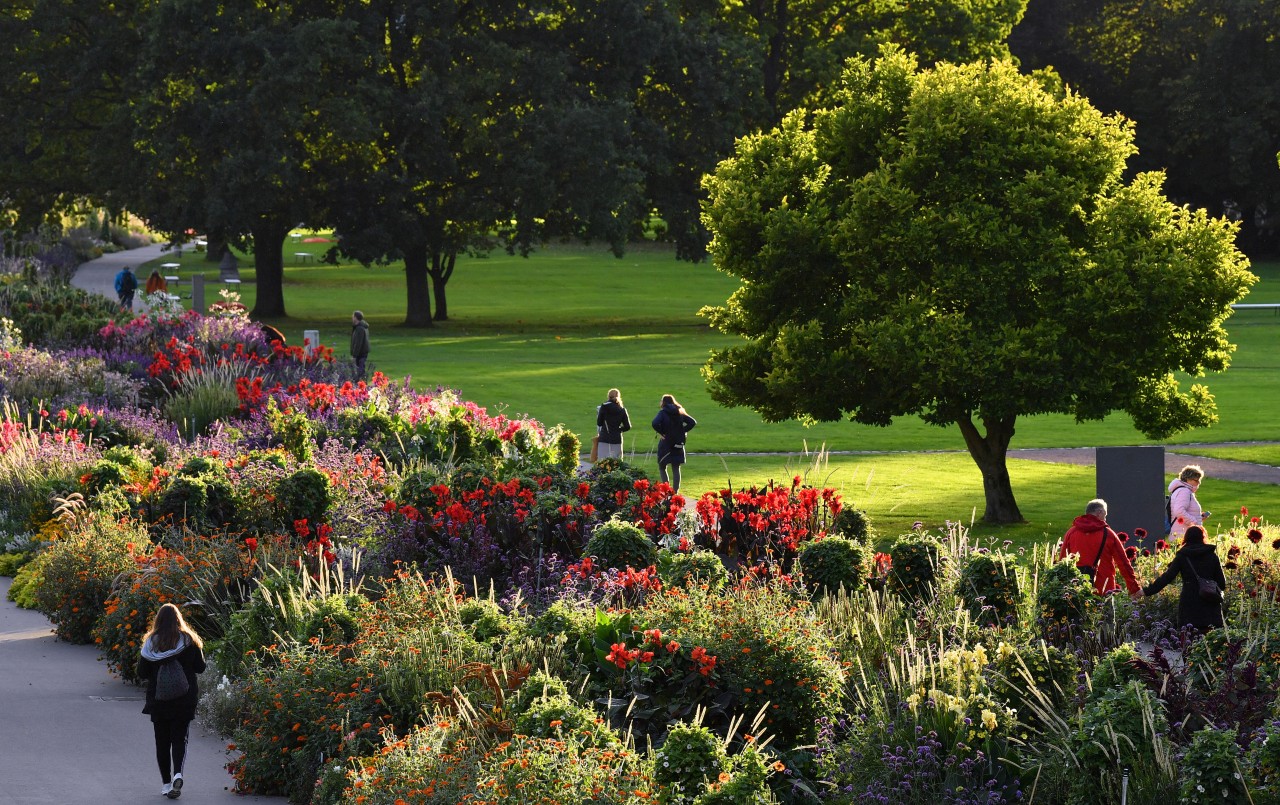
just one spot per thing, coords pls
(988, 719)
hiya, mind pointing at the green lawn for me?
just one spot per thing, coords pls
(897, 490)
(1261, 454)
(549, 335)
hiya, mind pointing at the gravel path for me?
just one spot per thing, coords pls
(1173, 461)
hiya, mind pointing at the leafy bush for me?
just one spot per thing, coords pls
(914, 567)
(1021, 671)
(1123, 726)
(1210, 769)
(76, 572)
(685, 568)
(57, 314)
(690, 757)
(484, 621)
(568, 449)
(618, 544)
(202, 501)
(1066, 601)
(304, 495)
(854, 524)
(203, 398)
(829, 564)
(989, 588)
(1115, 670)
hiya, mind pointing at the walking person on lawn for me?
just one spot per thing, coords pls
(611, 422)
(359, 341)
(1099, 550)
(1195, 561)
(671, 423)
(172, 656)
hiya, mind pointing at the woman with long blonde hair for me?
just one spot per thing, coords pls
(612, 421)
(672, 424)
(172, 656)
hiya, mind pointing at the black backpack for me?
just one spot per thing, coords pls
(171, 681)
(129, 282)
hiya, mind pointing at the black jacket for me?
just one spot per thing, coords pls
(1189, 561)
(182, 709)
(672, 426)
(612, 421)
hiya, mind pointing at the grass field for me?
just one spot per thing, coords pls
(1257, 454)
(549, 335)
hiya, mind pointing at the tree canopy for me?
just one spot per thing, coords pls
(959, 243)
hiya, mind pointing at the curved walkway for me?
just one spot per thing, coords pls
(75, 735)
(99, 276)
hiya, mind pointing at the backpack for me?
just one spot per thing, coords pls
(128, 282)
(171, 681)
(1168, 512)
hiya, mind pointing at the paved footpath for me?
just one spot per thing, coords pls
(72, 734)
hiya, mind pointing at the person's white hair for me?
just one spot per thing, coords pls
(1096, 507)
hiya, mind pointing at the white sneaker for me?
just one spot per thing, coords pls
(166, 789)
(177, 786)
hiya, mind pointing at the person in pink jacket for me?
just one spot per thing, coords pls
(1183, 506)
(1099, 551)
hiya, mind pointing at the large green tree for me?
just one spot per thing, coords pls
(959, 243)
(493, 122)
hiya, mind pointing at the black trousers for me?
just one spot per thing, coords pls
(171, 743)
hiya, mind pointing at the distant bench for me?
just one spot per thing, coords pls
(1259, 306)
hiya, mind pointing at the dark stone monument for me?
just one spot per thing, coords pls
(1131, 480)
(229, 268)
(197, 294)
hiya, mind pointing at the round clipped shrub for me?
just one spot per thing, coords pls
(334, 620)
(1115, 669)
(559, 715)
(617, 544)
(914, 562)
(568, 448)
(1208, 771)
(484, 620)
(1024, 670)
(201, 466)
(834, 562)
(1119, 728)
(304, 495)
(102, 475)
(1065, 601)
(690, 756)
(539, 685)
(989, 588)
(853, 524)
(200, 500)
(683, 569)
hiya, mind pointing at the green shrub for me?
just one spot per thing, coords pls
(202, 501)
(28, 579)
(617, 544)
(294, 430)
(558, 716)
(853, 524)
(1264, 768)
(989, 588)
(539, 685)
(12, 562)
(689, 758)
(686, 568)
(102, 475)
(547, 770)
(1065, 601)
(415, 489)
(1210, 769)
(200, 466)
(135, 598)
(567, 448)
(485, 622)
(304, 495)
(1119, 728)
(333, 621)
(76, 574)
(1041, 667)
(914, 562)
(1115, 669)
(748, 782)
(832, 563)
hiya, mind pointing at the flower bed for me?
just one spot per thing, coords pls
(409, 599)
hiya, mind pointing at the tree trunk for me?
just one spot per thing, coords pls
(989, 454)
(418, 313)
(268, 264)
(441, 270)
(215, 245)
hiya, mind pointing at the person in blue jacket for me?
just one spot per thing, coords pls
(671, 423)
(126, 285)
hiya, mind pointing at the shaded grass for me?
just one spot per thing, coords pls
(1257, 454)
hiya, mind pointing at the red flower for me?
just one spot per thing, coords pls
(1233, 551)
(251, 543)
(1131, 552)
(1254, 535)
(1276, 544)
(1140, 533)
(1244, 512)
(1161, 545)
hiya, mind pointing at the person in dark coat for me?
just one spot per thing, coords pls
(671, 423)
(171, 638)
(1195, 560)
(359, 341)
(611, 422)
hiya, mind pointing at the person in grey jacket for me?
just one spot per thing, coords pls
(359, 341)
(171, 639)
(612, 421)
(671, 423)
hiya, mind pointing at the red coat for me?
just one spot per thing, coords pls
(1083, 538)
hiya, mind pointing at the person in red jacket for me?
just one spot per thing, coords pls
(1098, 549)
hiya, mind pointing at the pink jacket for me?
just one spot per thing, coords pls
(1184, 507)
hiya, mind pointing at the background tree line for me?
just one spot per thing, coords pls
(427, 129)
